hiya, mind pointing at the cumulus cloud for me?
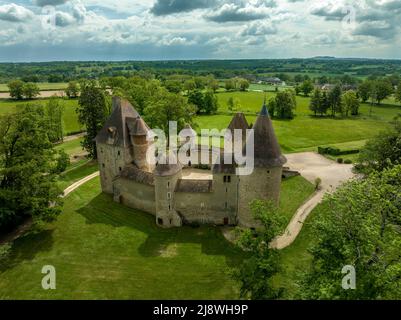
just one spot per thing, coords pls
(42, 3)
(230, 12)
(15, 13)
(166, 7)
(259, 28)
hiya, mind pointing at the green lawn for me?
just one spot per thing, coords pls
(305, 133)
(70, 117)
(44, 86)
(103, 250)
(76, 172)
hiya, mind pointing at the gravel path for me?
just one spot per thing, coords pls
(79, 183)
(312, 166)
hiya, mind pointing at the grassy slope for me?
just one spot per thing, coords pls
(305, 132)
(70, 117)
(102, 250)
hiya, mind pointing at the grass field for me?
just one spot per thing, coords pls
(44, 86)
(70, 117)
(103, 250)
(306, 132)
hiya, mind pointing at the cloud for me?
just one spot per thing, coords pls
(166, 7)
(235, 13)
(258, 28)
(15, 13)
(42, 3)
(329, 11)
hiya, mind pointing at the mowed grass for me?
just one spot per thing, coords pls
(70, 117)
(76, 173)
(42, 86)
(103, 250)
(305, 132)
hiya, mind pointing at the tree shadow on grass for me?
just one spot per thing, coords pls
(26, 248)
(102, 210)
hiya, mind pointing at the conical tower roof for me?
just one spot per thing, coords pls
(238, 122)
(137, 126)
(168, 165)
(267, 152)
(115, 130)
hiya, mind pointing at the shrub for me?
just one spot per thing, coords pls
(340, 160)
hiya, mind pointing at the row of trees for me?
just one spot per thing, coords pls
(334, 102)
(236, 84)
(358, 226)
(23, 90)
(376, 90)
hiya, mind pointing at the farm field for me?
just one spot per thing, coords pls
(45, 86)
(305, 132)
(70, 117)
(103, 250)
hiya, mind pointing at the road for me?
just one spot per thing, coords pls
(311, 166)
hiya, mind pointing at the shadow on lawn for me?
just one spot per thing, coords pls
(102, 210)
(26, 248)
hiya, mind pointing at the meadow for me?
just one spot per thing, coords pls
(70, 117)
(306, 132)
(44, 86)
(103, 250)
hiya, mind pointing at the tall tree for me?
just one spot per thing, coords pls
(92, 113)
(72, 90)
(383, 88)
(30, 90)
(324, 104)
(16, 89)
(315, 102)
(256, 273)
(335, 100)
(364, 90)
(358, 226)
(351, 103)
(27, 159)
(283, 105)
(306, 87)
(54, 115)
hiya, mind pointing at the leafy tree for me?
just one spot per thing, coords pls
(54, 115)
(398, 93)
(230, 85)
(173, 86)
(283, 105)
(27, 187)
(210, 102)
(306, 87)
(213, 84)
(72, 90)
(166, 106)
(383, 151)
(30, 90)
(335, 100)
(189, 85)
(16, 89)
(233, 104)
(256, 273)
(197, 99)
(350, 103)
(62, 162)
(92, 112)
(383, 89)
(315, 101)
(243, 84)
(324, 104)
(359, 226)
(364, 90)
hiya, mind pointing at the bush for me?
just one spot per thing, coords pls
(348, 161)
(340, 160)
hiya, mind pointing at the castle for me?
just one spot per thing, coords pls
(176, 193)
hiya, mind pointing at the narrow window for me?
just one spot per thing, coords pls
(226, 205)
(169, 207)
(168, 195)
(168, 184)
(103, 165)
(160, 221)
(228, 179)
(118, 152)
(225, 179)
(120, 168)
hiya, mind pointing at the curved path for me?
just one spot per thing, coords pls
(79, 183)
(311, 166)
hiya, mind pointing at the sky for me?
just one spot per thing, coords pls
(55, 30)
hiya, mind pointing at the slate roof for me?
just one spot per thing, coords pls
(238, 122)
(137, 126)
(164, 168)
(267, 150)
(115, 131)
(131, 172)
(194, 186)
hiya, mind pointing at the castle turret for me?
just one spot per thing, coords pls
(238, 122)
(138, 131)
(167, 173)
(265, 181)
(114, 149)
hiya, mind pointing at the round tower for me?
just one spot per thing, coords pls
(264, 182)
(166, 175)
(139, 131)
